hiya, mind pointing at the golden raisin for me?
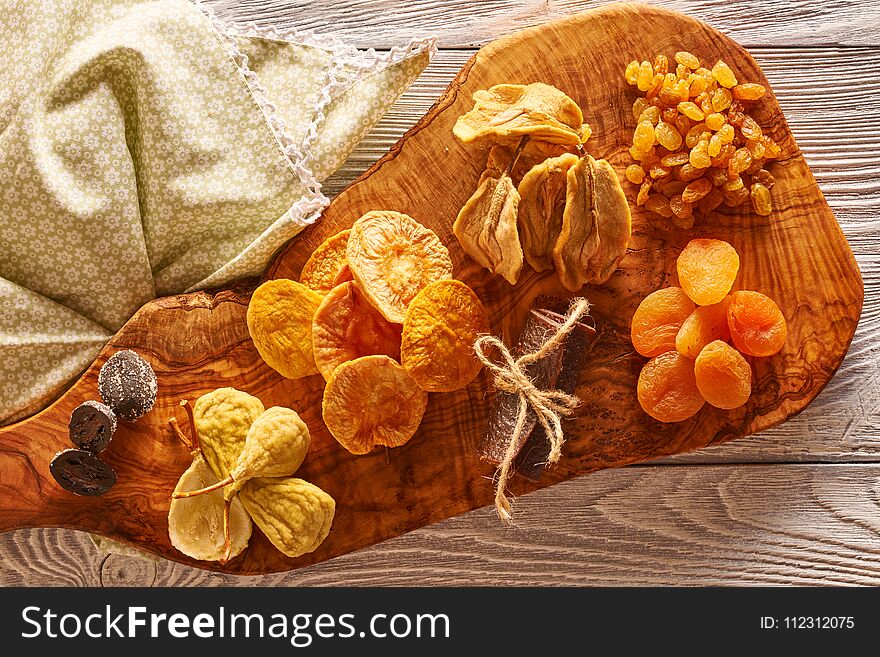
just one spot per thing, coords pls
(750, 128)
(658, 204)
(643, 193)
(661, 64)
(756, 324)
(723, 376)
(658, 319)
(707, 269)
(680, 208)
(635, 174)
(687, 59)
(721, 99)
(723, 73)
(761, 199)
(706, 324)
(645, 76)
(691, 111)
(674, 159)
(749, 91)
(667, 388)
(715, 120)
(668, 136)
(631, 74)
(699, 157)
(696, 190)
(643, 137)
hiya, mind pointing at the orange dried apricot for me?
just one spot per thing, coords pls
(658, 319)
(756, 324)
(667, 388)
(706, 324)
(707, 269)
(723, 376)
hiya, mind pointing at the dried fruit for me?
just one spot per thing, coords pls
(707, 269)
(392, 257)
(596, 225)
(506, 112)
(631, 75)
(667, 388)
(691, 111)
(757, 326)
(634, 173)
(658, 319)
(346, 326)
(667, 136)
(222, 419)
(295, 515)
(326, 264)
(372, 401)
(706, 324)
(749, 91)
(127, 384)
(724, 74)
(761, 199)
(91, 426)
(198, 526)
(279, 320)
(645, 77)
(486, 227)
(82, 473)
(723, 376)
(275, 446)
(439, 331)
(542, 202)
(687, 59)
(696, 190)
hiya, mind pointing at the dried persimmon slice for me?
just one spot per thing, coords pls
(346, 327)
(439, 331)
(392, 257)
(326, 264)
(372, 401)
(279, 320)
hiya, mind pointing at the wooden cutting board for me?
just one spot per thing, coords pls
(198, 342)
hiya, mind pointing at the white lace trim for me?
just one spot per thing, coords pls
(365, 62)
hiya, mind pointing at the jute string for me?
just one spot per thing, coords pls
(550, 406)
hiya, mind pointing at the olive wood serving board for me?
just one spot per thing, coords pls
(198, 342)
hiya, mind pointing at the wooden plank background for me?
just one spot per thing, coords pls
(799, 504)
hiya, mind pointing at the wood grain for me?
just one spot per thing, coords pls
(204, 342)
(644, 525)
(457, 23)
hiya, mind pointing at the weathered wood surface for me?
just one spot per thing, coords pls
(826, 94)
(644, 525)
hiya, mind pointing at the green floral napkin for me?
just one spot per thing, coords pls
(148, 149)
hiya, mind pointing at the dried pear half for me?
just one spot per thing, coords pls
(532, 153)
(391, 257)
(506, 112)
(542, 203)
(579, 234)
(295, 515)
(486, 228)
(346, 326)
(279, 320)
(615, 222)
(326, 264)
(439, 331)
(196, 524)
(372, 401)
(222, 420)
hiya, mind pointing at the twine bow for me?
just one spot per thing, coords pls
(550, 406)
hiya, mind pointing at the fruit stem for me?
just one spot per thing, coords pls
(202, 491)
(226, 540)
(519, 149)
(175, 428)
(192, 422)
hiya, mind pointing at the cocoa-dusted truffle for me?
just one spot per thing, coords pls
(82, 473)
(91, 426)
(127, 385)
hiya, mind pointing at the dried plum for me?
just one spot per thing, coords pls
(127, 384)
(91, 426)
(82, 473)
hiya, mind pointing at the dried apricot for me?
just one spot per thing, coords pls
(439, 330)
(707, 269)
(326, 264)
(706, 324)
(372, 401)
(757, 326)
(392, 257)
(667, 388)
(279, 320)
(658, 319)
(723, 376)
(346, 327)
